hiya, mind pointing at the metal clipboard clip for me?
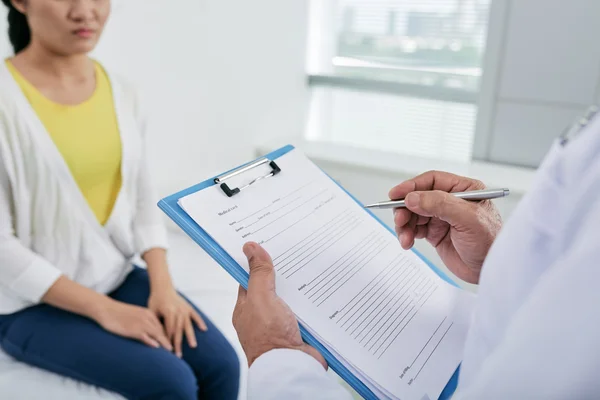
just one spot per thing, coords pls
(232, 192)
(572, 131)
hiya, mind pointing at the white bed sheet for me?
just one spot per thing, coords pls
(21, 381)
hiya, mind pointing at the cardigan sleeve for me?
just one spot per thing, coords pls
(148, 225)
(22, 271)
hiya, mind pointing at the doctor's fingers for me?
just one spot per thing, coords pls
(407, 233)
(262, 272)
(443, 206)
(403, 216)
(435, 180)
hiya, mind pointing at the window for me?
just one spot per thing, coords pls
(397, 75)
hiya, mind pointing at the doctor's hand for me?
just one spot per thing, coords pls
(262, 320)
(461, 231)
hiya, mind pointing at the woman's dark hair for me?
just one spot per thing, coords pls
(18, 28)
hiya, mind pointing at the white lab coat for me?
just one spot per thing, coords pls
(535, 332)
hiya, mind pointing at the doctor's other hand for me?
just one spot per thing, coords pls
(461, 231)
(262, 320)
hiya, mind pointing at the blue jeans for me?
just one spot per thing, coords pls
(77, 347)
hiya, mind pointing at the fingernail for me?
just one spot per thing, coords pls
(194, 345)
(413, 199)
(179, 355)
(249, 249)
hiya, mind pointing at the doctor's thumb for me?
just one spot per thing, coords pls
(441, 205)
(262, 272)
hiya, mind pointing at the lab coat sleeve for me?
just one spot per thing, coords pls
(551, 350)
(21, 270)
(148, 225)
(291, 375)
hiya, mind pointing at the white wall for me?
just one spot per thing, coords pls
(218, 74)
(5, 49)
(542, 71)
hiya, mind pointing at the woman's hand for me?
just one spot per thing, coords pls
(133, 322)
(178, 317)
(462, 232)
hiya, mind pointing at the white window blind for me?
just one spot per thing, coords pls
(400, 75)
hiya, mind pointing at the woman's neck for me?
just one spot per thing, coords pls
(65, 69)
(67, 80)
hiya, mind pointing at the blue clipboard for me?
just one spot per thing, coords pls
(171, 207)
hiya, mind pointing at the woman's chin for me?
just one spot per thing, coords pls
(81, 47)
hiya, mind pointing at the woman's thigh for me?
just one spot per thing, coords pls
(77, 347)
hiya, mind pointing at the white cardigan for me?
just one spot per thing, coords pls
(47, 228)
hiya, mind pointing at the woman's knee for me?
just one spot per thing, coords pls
(227, 364)
(171, 380)
(221, 379)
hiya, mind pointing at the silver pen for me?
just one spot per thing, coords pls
(475, 195)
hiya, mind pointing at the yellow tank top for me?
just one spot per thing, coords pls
(87, 136)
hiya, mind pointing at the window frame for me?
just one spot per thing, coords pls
(321, 75)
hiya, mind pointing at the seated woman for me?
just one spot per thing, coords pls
(76, 205)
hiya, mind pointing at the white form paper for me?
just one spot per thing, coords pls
(381, 310)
